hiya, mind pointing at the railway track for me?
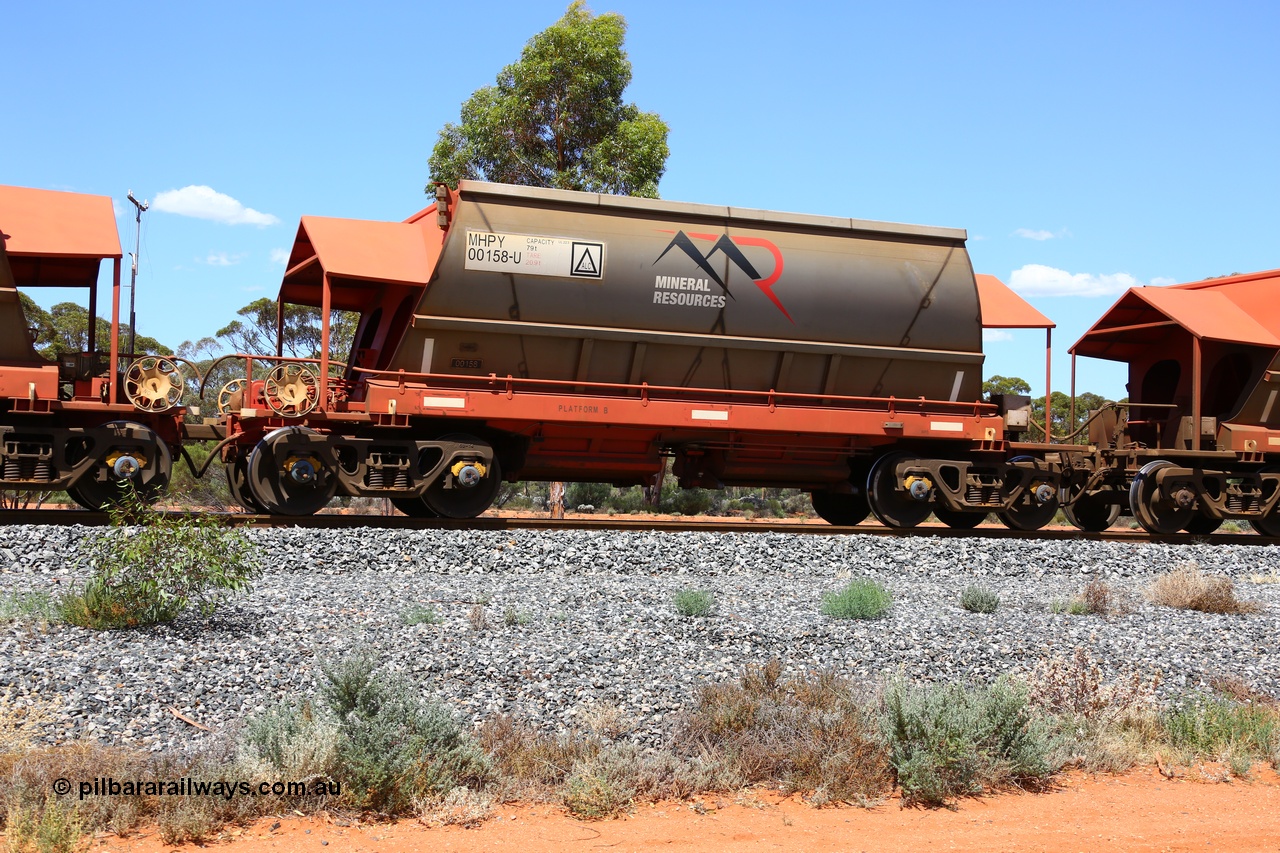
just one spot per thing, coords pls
(632, 523)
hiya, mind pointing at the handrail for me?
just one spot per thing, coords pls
(250, 359)
(1061, 439)
(646, 390)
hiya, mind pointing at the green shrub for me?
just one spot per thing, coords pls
(951, 740)
(586, 494)
(420, 614)
(290, 740)
(601, 786)
(861, 599)
(27, 607)
(513, 618)
(1211, 728)
(55, 829)
(394, 749)
(977, 599)
(151, 567)
(692, 502)
(694, 602)
(628, 501)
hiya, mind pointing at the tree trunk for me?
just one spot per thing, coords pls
(556, 500)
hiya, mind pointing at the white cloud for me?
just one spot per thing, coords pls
(280, 256)
(991, 336)
(1039, 280)
(207, 203)
(221, 259)
(1031, 234)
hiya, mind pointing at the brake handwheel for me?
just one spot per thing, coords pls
(291, 390)
(228, 392)
(153, 384)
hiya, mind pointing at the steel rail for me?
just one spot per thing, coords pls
(640, 524)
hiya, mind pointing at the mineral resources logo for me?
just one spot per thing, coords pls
(730, 248)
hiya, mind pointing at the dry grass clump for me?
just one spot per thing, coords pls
(1102, 725)
(810, 733)
(1187, 588)
(1096, 599)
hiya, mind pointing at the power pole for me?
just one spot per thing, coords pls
(133, 277)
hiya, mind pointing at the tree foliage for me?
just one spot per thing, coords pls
(64, 328)
(256, 333)
(1061, 422)
(556, 118)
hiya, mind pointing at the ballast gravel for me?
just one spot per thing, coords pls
(579, 622)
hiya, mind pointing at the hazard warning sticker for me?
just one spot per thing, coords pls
(527, 255)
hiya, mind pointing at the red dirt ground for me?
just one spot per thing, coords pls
(1139, 811)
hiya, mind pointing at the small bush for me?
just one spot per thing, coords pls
(601, 786)
(694, 602)
(810, 733)
(1186, 588)
(593, 494)
(290, 741)
(1210, 728)
(949, 741)
(420, 615)
(1074, 685)
(513, 618)
(1096, 599)
(861, 599)
(477, 618)
(977, 599)
(151, 567)
(395, 750)
(54, 829)
(27, 607)
(527, 755)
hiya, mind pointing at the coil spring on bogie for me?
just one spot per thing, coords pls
(18, 468)
(1239, 503)
(387, 472)
(976, 495)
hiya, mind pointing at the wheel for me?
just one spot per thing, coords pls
(893, 506)
(1155, 512)
(461, 501)
(291, 390)
(1032, 510)
(414, 507)
(1091, 513)
(840, 510)
(959, 520)
(1268, 525)
(238, 484)
(149, 481)
(153, 384)
(1202, 525)
(288, 485)
(228, 392)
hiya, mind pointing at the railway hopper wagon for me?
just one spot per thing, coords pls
(518, 333)
(1199, 440)
(95, 417)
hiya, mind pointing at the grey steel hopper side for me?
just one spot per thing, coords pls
(626, 290)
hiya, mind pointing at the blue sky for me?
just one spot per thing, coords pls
(1084, 146)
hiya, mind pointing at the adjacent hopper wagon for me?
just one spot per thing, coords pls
(510, 332)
